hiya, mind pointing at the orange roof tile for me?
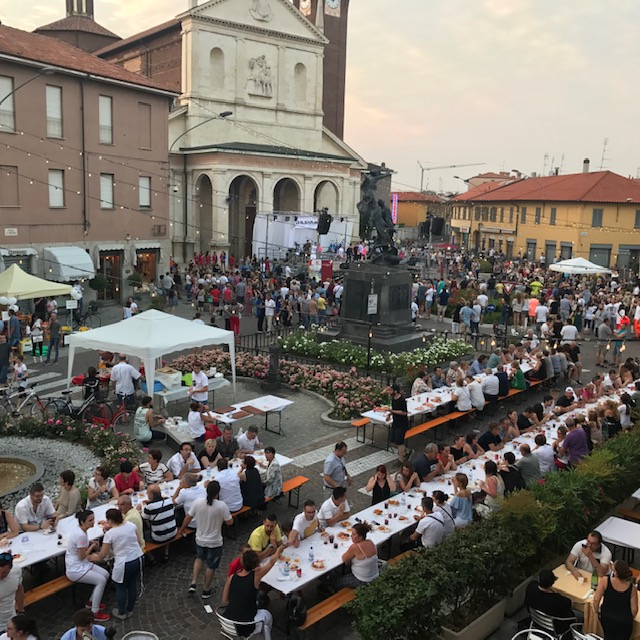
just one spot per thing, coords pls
(52, 52)
(77, 23)
(123, 44)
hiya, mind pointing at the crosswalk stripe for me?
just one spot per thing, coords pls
(319, 455)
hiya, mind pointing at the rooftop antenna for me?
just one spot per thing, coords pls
(544, 164)
(553, 161)
(561, 164)
(604, 153)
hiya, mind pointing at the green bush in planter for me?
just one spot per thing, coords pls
(99, 283)
(135, 279)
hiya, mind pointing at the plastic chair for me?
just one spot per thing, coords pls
(229, 628)
(544, 622)
(140, 635)
(577, 633)
(532, 634)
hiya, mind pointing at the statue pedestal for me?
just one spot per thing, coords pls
(273, 381)
(392, 329)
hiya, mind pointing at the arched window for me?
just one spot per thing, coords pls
(216, 58)
(300, 83)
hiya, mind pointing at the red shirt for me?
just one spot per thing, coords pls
(234, 566)
(133, 482)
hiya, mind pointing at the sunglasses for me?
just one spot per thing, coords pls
(7, 557)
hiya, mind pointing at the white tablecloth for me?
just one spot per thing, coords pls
(180, 393)
(622, 533)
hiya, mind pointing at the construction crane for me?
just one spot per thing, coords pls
(448, 166)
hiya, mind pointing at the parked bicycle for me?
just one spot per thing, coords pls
(87, 410)
(89, 318)
(14, 401)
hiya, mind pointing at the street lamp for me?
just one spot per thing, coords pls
(45, 71)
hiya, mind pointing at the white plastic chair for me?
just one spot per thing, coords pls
(140, 635)
(532, 634)
(577, 633)
(544, 622)
(229, 628)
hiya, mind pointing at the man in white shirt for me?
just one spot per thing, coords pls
(186, 494)
(475, 393)
(544, 453)
(568, 332)
(185, 461)
(335, 509)
(269, 310)
(430, 529)
(588, 555)
(122, 377)
(542, 311)
(199, 390)
(36, 511)
(11, 590)
(248, 441)
(230, 492)
(490, 386)
(305, 524)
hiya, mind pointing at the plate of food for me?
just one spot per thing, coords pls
(384, 528)
(343, 535)
(318, 565)
(294, 566)
(324, 535)
(402, 518)
(285, 558)
(395, 503)
(437, 399)
(377, 512)
(345, 524)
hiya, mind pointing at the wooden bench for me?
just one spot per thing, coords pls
(435, 423)
(328, 606)
(292, 486)
(47, 589)
(394, 561)
(362, 423)
(629, 514)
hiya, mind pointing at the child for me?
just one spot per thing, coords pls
(91, 384)
(20, 373)
(37, 337)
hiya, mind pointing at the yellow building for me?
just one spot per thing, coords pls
(590, 215)
(413, 207)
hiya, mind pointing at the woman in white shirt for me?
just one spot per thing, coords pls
(461, 396)
(362, 556)
(121, 541)
(21, 627)
(101, 488)
(79, 569)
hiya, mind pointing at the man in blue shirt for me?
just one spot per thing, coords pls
(466, 313)
(83, 621)
(478, 366)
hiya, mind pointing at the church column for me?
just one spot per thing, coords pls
(220, 223)
(283, 78)
(188, 65)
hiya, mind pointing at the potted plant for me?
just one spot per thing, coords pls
(99, 282)
(135, 280)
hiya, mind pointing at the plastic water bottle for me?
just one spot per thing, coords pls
(403, 500)
(311, 554)
(286, 569)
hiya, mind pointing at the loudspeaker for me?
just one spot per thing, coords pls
(324, 223)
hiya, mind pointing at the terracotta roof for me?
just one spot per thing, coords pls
(475, 192)
(77, 23)
(50, 51)
(599, 186)
(417, 196)
(123, 44)
(503, 175)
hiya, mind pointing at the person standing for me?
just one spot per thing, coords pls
(400, 422)
(199, 390)
(334, 473)
(617, 600)
(5, 352)
(54, 338)
(273, 474)
(122, 378)
(14, 330)
(269, 311)
(211, 513)
(11, 589)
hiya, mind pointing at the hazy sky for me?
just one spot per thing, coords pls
(446, 82)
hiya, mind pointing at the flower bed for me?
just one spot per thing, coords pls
(462, 577)
(110, 447)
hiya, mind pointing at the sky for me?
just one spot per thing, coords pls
(512, 84)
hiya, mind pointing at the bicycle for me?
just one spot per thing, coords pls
(89, 409)
(121, 416)
(89, 318)
(23, 397)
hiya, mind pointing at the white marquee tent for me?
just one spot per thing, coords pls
(149, 336)
(578, 266)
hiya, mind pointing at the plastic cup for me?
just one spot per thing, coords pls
(331, 538)
(299, 572)
(335, 545)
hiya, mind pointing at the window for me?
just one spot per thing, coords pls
(144, 125)
(9, 196)
(485, 214)
(501, 214)
(216, 74)
(54, 111)
(637, 221)
(7, 113)
(144, 192)
(105, 119)
(106, 191)
(300, 84)
(531, 250)
(510, 215)
(538, 214)
(56, 188)
(596, 218)
(477, 213)
(492, 214)
(523, 215)
(552, 217)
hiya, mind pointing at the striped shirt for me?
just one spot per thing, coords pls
(162, 519)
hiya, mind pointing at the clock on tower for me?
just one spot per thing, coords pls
(333, 15)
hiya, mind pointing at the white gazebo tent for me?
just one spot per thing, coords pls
(578, 266)
(149, 336)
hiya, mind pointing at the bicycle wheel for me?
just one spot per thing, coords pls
(6, 415)
(38, 409)
(121, 420)
(97, 410)
(92, 320)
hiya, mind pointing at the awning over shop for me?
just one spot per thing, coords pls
(66, 264)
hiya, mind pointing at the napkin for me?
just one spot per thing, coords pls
(588, 595)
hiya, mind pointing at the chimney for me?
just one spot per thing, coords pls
(585, 165)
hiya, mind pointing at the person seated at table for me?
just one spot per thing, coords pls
(266, 538)
(529, 466)
(495, 358)
(493, 486)
(478, 365)
(380, 485)
(540, 596)
(508, 430)
(422, 384)
(471, 447)
(248, 441)
(544, 452)
(199, 389)
(251, 484)
(452, 373)
(8, 526)
(305, 524)
(460, 396)
(430, 529)
(503, 382)
(437, 379)
(361, 560)
(210, 455)
(184, 461)
(407, 478)
(517, 380)
(272, 475)
(36, 511)
(185, 495)
(457, 450)
(236, 564)
(446, 459)
(22, 627)
(526, 420)
(575, 444)
(160, 513)
(442, 507)
(201, 424)
(145, 422)
(565, 403)
(490, 386)
(83, 622)
(153, 470)
(240, 594)
(462, 502)
(79, 569)
(620, 605)
(589, 555)
(127, 481)
(542, 410)
(229, 481)
(490, 440)
(101, 488)
(129, 514)
(510, 474)
(334, 509)
(476, 394)
(69, 501)
(227, 444)
(428, 466)
(562, 458)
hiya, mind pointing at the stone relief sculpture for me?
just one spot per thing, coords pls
(261, 10)
(260, 82)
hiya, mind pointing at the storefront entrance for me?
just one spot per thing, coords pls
(147, 265)
(111, 269)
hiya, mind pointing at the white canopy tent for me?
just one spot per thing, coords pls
(578, 266)
(149, 336)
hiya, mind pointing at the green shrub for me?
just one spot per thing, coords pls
(99, 283)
